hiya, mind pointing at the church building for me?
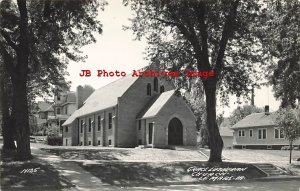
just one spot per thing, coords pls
(130, 112)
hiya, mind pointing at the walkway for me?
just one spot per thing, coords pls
(82, 179)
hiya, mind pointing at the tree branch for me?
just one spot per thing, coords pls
(226, 34)
(203, 30)
(7, 61)
(8, 39)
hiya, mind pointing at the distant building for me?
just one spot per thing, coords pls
(226, 133)
(64, 105)
(132, 111)
(259, 131)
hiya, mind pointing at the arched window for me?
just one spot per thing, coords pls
(155, 84)
(162, 89)
(149, 89)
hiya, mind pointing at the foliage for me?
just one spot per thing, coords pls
(39, 38)
(241, 112)
(52, 130)
(289, 119)
(163, 24)
(57, 31)
(219, 36)
(54, 140)
(281, 43)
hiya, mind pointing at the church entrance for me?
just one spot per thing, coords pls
(175, 132)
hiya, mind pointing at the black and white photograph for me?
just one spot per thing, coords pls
(139, 95)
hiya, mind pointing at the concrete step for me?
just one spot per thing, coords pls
(271, 170)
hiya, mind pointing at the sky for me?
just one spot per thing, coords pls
(115, 49)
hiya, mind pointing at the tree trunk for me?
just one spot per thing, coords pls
(21, 121)
(291, 148)
(7, 125)
(215, 140)
(20, 103)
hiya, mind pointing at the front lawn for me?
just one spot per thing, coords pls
(126, 154)
(30, 175)
(145, 173)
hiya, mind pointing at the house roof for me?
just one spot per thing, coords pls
(153, 109)
(256, 120)
(104, 97)
(44, 106)
(225, 128)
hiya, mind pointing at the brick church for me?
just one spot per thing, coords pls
(130, 112)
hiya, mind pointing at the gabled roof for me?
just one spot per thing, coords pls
(44, 106)
(256, 120)
(104, 97)
(153, 109)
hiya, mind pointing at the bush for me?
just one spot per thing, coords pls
(285, 147)
(54, 140)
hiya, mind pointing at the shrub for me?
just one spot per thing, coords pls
(54, 140)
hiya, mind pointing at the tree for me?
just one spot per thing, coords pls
(281, 44)
(289, 119)
(40, 39)
(241, 112)
(6, 103)
(199, 35)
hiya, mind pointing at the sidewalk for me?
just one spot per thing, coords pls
(82, 179)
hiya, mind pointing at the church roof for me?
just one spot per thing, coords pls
(156, 105)
(103, 98)
(256, 120)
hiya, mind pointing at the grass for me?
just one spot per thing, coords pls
(79, 154)
(143, 174)
(29, 175)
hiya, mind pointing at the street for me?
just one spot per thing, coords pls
(293, 185)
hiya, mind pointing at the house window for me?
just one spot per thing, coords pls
(149, 89)
(109, 120)
(58, 97)
(67, 129)
(241, 133)
(66, 142)
(90, 124)
(140, 124)
(99, 123)
(279, 133)
(262, 133)
(155, 84)
(109, 142)
(269, 146)
(251, 132)
(66, 110)
(58, 111)
(162, 89)
(99, 142)
(81, 126)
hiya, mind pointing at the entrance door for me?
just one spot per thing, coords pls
(175, 132)
(150, 133)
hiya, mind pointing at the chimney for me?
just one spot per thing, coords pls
(252, 96)
(267, 111)
(79, 96)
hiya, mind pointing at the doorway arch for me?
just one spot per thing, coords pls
(175, 132)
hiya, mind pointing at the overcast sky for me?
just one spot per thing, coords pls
(116, 50)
